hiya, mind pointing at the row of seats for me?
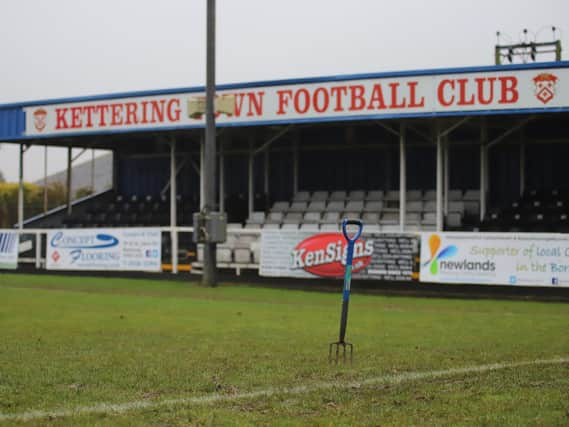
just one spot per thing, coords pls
(330, 220)
(545, 211)
(132, 211)
(389, 195)
(536, 222)
(371, 206)
(546, 196)
(462, 207)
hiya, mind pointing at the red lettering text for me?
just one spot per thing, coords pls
(284, 96)
(509, 94)
(61, 122)
(322, 106)
(297, 101)
(394, 103)
(338, 92)
(445, 102)
(357, 98)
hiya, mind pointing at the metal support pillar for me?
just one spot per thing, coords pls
(21, 190)
(439, 181)
(38, 250)
(92, 171)
(209, 277)
(173, 211)
(387, 165)
(68, 194)
(522, 163)
(45, 202)
(221, 178)
(202, 181)
(446, 175)
(402, 177)
(295, 166)
(251, 179)
(483, 169)
(116, 170)
(267, 168)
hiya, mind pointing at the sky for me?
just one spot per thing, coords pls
(68, 48)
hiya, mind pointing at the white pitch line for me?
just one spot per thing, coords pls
(110, 408)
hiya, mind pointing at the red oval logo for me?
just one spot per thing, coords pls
(325, 255)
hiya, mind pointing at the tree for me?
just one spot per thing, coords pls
(1, 174)
(82, 192)
(33, 201)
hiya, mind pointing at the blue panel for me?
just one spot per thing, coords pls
(146, 176)
(12, 123)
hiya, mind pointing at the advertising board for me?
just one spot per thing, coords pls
(336, 99)
(9, 241)
(291, 253)
(132, 249)
(495, 258)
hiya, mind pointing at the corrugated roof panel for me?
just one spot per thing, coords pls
(12, 123)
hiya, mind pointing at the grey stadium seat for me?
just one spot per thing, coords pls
(290, 226)
(275, 218)
(430, 206)
(298, 207)
(389, 218)
(471, 195)
(335, 206)
(280, 206)
(302, 196)
(414, 206)
(253, 226)
(338, 195)
(391, 195)
(234, 226)
(357, 195)
(355, 205)
(351, 215)
(312, 218)
(371, 228)
(373, 206)
(309, 227)
(455, 194)
(316, 206)
(414, 195)
(272, 226)
(292, 218)
(413, 218)
(223, 254)
(242, 255)
(456, 206)
(454, 219)
(374, 195)
(319, 195)
(371, 217)
(429, 218)
(256, 218)
(330, 218)
(430, 195)
(328, 227)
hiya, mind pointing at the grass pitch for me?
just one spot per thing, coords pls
(172, 353)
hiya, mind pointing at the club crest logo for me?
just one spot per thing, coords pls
(40, 119)
(545, 86)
